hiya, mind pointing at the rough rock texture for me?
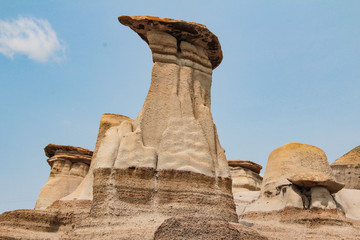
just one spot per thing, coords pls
(168, 162)
(297, 175)
(347, 169)
(245, 176)
(69, 166)
(197, 228)
(296, 160)
(293, 223)
(245, 164)
(194, 33)
(169, 159)
(106, 144)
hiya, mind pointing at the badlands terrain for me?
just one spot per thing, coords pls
(164, 175)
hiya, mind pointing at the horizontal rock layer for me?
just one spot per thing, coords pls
(165, 192)
(191, 32)
(245, 164)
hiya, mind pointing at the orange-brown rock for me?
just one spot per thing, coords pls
(191, 228)
(347, 169)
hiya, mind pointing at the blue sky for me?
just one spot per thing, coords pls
(290, 73)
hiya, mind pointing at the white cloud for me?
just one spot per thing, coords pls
(31, 37)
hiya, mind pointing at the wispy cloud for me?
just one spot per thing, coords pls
(31, 37)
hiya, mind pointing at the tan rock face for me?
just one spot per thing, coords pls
(245, 176)
(169, 159)
(69, 166)
(347, 169)
(297, 175)
(298, 162)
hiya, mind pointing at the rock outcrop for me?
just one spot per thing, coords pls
(297, 175)
(347, 169)
(69, 166)
(245, 175)
(169, 159)
(166, 163)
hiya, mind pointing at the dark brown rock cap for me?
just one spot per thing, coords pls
(71, 153)
(191, 32)
(245, 164)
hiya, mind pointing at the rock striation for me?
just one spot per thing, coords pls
(69, 165)
(245, 175)
(347, 169)
(169, 159)
(167, 163)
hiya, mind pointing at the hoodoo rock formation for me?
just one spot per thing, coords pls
(245, 175)
(166, 163)
(169, 159)
(300, 198)
(69, 166)
(347, 169)
(164, 175)
(297, 175)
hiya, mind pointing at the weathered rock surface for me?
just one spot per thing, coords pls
(294, 223)
(194, 33)
(166, 163)
(294, 161)
(245, 164)
(299, 176)
(169, 159)
(69, 166)
(347, 169)
(313, 179)
(190, 228)
(349, 201)
(245, 175)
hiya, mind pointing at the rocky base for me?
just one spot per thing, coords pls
(292, 223)
(203, 229)
(166, 192)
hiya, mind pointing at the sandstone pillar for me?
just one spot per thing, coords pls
(169, 159)
(69, 166)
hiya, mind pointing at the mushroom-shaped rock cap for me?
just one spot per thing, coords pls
(191, 32)
(53, 149)
(350, 158)
(73, 154)
(296, 162)
(316, 179)
(245, 164)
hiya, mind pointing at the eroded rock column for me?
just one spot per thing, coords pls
(169, 159)
(69, 166)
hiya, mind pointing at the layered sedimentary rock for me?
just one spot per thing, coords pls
(245, 175)
(297, 175)
(347, 169)
(166, 163)
(169, 159)
(69, 166)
